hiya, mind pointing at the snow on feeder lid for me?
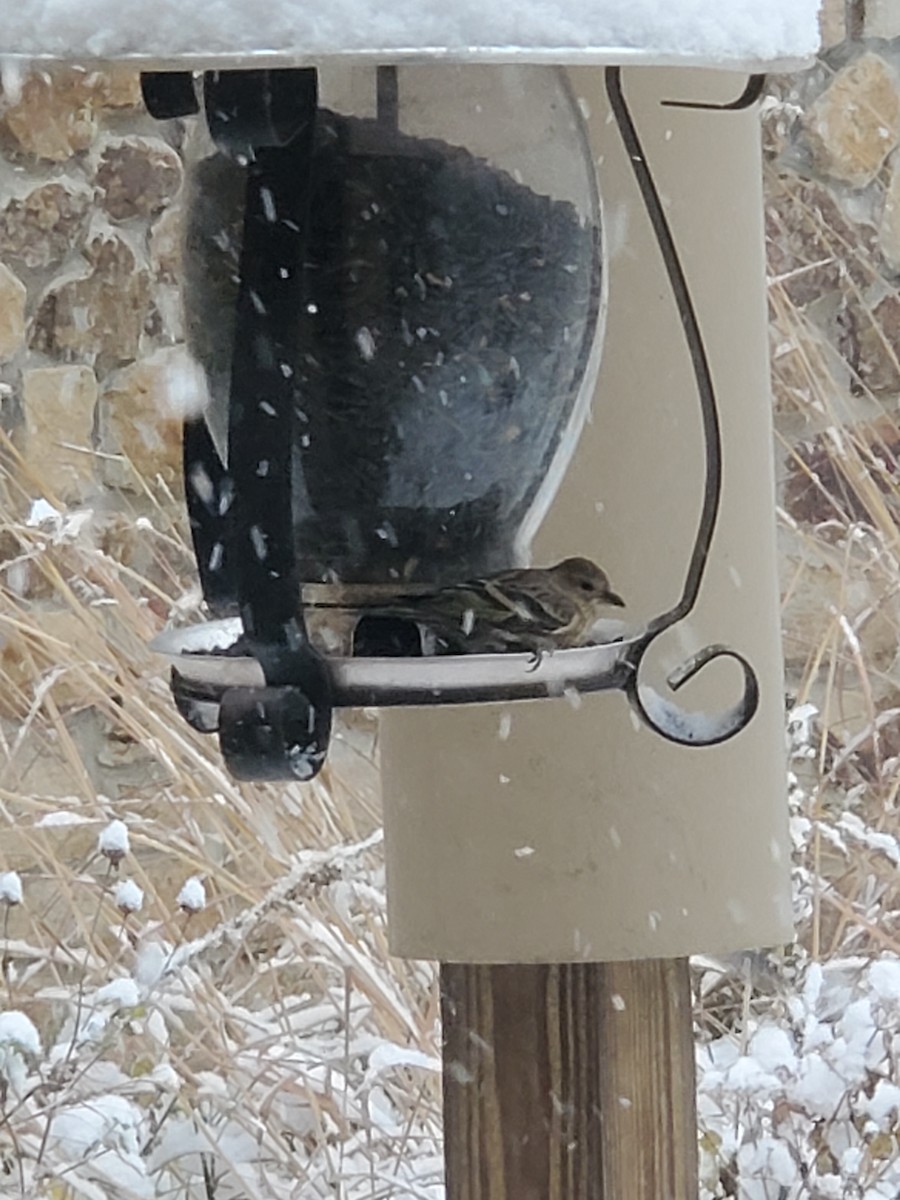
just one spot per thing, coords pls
(740, 34)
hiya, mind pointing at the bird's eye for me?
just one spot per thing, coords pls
(586, 585)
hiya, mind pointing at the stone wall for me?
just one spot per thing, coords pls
(93, 380)
(90, 320)
(833, 243)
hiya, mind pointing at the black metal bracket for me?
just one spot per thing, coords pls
(265, 120)
(169, 94)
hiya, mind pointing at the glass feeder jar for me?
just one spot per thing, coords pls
(446, 340)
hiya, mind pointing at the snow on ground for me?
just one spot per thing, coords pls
(798, 1094)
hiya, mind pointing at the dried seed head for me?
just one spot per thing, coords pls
(10, 888)
(192, 897)
(129, 897)
(113, 842)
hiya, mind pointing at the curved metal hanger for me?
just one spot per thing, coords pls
(661, 714)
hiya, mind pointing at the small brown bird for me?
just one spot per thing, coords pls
(528, 610)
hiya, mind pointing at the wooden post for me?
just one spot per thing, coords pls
(569, 1081)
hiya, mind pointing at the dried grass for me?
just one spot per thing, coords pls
(808, 1120)
(244, 1061)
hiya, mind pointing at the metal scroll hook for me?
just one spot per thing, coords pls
(693, 728)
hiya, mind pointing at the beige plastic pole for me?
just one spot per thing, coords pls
(550, 831)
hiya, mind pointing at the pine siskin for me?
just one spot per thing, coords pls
(530, 610)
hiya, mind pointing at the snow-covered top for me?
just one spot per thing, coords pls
(113, 840)
(714, 32)
(129, 897)
(18, 1030)
(192, 897)
(10, 887)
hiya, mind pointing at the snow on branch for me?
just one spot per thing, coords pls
(312, 871)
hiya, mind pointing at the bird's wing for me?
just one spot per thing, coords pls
(514, 609)
(533, 599)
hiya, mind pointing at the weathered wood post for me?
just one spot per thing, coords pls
(570, 1081)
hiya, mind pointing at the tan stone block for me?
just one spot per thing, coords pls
(118, 86)
(805, 221)
(167, 245)
(881, 19)
(138, 177)
(141, 412)
(889, 226)
(58, 408)
(855, 123)
(876, 347)
(833, 22)
(28, 849)
(26, 657)
(40, 227)
(96, 312)
(12, 314)
(817, 591)
(54, 116)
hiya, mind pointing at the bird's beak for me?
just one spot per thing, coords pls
(615, 599)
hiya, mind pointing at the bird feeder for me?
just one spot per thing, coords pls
(473, 292)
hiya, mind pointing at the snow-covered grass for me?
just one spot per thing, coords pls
(196, 998)
(799, 1048)
(798, 1052)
